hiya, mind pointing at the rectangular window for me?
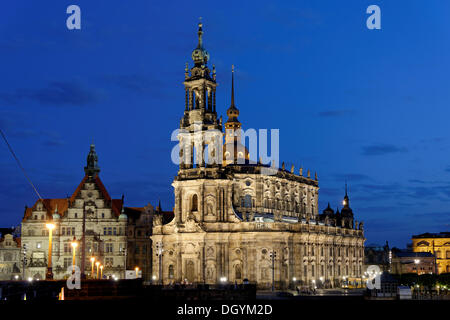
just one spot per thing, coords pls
(438, 254)
(312, 271)
(136, 249)
(448, 254)
(109, 247)
(109, 231)
(95, 247)
(305, 270)
(67, 262)
(73, 231)
(305, 250)
(115, 231)
(66, 248)
(63, 231)
(104, 231)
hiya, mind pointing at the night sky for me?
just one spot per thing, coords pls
(369, 106)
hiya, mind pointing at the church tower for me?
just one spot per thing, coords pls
(200, 130)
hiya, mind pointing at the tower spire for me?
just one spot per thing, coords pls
(232, 85)
(200, 33)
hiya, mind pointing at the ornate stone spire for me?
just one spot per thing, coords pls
(92, 168)
(346, 201)
(200, 56)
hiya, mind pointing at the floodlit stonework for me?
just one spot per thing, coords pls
(230, 216)
(105, 229)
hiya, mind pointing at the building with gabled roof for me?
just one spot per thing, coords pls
(105, 224)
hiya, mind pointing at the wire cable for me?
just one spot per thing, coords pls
(19, 164)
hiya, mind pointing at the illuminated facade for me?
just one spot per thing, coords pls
(105, 229)
(230, 216)
(437, 244)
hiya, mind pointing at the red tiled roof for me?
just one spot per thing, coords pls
(63, 204)
(49, 206)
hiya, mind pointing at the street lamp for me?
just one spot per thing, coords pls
(101, 272)
(272, 256)
(137, 271)
(74, 248)
(92, 267)
(49, 275)
(97, 264)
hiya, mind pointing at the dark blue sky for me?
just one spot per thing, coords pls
(369, 106)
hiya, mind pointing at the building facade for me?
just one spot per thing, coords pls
(235, 219)
(139, 247)
(10, 258)
(437, 244)
(90, 208)
(413, 262)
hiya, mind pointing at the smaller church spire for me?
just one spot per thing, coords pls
(232, 85)
(346, 201)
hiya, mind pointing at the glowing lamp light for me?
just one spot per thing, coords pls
(50, 226)
(416, 261)
(154, 277)
(294, 279)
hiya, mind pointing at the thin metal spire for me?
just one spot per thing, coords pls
(200, 33)
(232, 85)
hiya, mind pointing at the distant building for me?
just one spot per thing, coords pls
(10, 265)
(437, 244)
(412, 262)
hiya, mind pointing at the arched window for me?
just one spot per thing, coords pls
(194, 206)
(171, 272)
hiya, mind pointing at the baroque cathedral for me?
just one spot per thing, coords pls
(234, 222)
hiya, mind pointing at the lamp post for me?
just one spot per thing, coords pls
(272, 256)
(92, 267)
(97, 264)
(74, 249)
(416, 262)
(101, 272)
(159, 252)
(137, 271)
(49, 275)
